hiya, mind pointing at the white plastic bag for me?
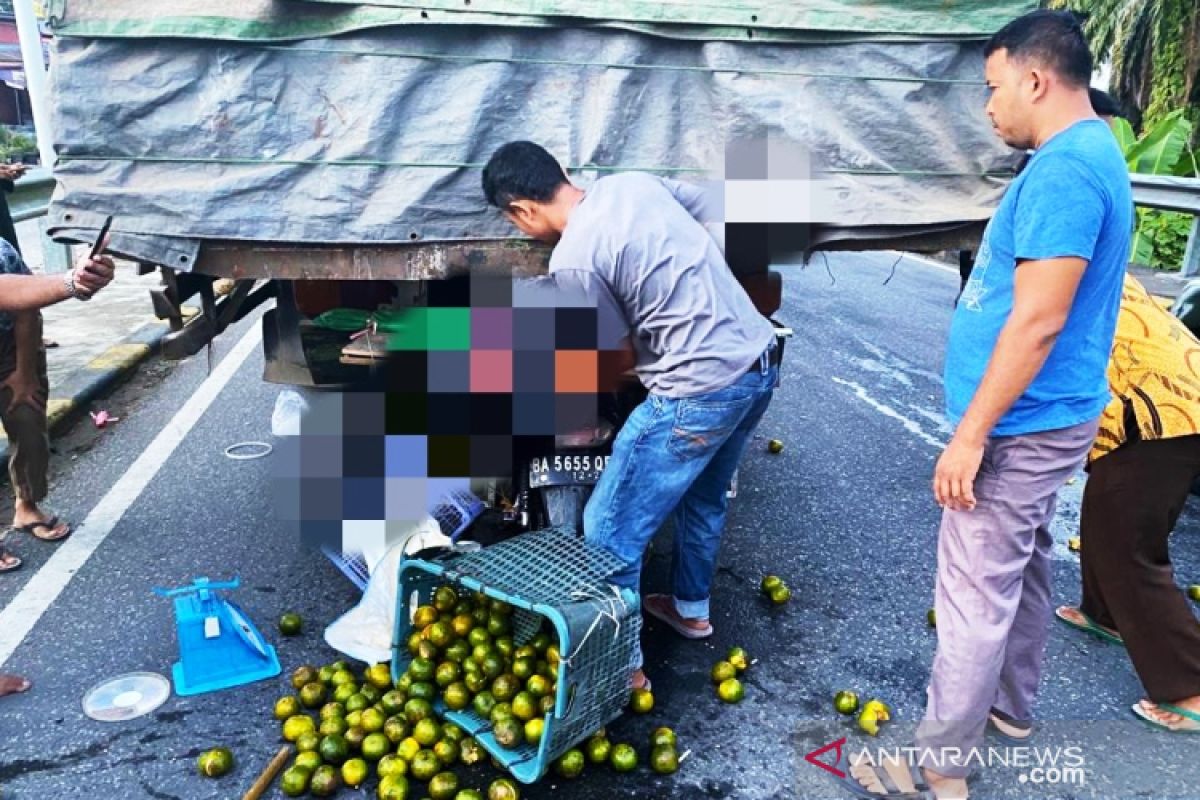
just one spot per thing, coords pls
(365, 631)
(290, 406)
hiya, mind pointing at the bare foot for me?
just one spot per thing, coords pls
(13, 684)
(27, 514)
(945, 788)
(868, 776)
(1011, 728)
(1172, 720)
(1075, 615)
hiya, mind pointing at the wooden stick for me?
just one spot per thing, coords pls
(268, 774)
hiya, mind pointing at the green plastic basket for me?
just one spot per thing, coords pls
(552, 575)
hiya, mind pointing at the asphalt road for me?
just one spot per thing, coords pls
(844, 514)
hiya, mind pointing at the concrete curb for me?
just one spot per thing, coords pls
(99, 376)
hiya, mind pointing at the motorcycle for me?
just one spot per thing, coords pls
(555, 480)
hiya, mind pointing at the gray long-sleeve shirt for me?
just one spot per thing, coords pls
(637, 246)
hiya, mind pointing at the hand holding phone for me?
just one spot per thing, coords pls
(95, 271)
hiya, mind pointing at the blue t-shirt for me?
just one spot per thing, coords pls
(1072, 199)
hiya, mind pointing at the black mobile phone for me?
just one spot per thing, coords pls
(96, 248)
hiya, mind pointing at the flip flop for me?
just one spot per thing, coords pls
(892, 791)
(1088, 626)
(49, 524)
(18, 683)
(1189, 716)
(8, 561)
(997, 718)
(662, 608)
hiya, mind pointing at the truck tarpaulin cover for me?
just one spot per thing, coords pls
(330, 122)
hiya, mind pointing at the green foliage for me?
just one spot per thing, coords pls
(1161, 148)
(13, 144)
(1161, 236)
(1161, 239)
(1154, 49)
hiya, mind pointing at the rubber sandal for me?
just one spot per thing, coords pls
(892, 790)
(662, 608)
(9, 561)
(49, 524)
(1089, 626)
(1189, 716)
(998, 721)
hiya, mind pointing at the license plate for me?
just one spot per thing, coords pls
(564, 470)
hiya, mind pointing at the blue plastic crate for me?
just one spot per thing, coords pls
(549, 575)
(352, 565)
(456, 511)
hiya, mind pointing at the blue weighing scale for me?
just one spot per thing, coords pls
(218, 646)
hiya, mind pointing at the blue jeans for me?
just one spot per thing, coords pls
(677, 455)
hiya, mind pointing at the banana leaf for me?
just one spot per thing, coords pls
(1126, 138)
(1159, 150)
(1189, 165)
(1142, 249)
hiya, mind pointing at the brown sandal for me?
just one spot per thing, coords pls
(8, 561)
(48, 524)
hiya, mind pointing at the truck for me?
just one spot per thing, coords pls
(326, 155)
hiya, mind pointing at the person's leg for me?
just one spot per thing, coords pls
(29, 446)
(983, 555)
(1140, 490)
(1026, 644)
(966, 263)
(640, 486)
(700, 516)
(1092, 512)
(661, 450)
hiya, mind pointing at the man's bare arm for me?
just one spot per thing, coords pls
(31, 292)
(1042, 296)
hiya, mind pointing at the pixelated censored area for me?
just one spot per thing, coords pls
(483, 376)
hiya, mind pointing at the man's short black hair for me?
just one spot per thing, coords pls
(521, 171)
(1052, 38)
(1103, 103)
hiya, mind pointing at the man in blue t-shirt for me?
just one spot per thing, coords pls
(1025, 388)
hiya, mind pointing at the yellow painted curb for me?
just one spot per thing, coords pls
(58, 408)
(120, 356)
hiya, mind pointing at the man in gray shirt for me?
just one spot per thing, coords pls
(636, 246)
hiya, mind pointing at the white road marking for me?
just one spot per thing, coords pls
(880, 368)
(929, 262)
(910, 425)
(43, 588)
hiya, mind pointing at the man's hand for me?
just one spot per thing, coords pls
(25, 391)
(92, 274)
(954, 477)
(11, 172)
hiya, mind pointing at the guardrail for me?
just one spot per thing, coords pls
(1173, 194)
(29, 200)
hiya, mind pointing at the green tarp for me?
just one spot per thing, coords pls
(735, 20)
